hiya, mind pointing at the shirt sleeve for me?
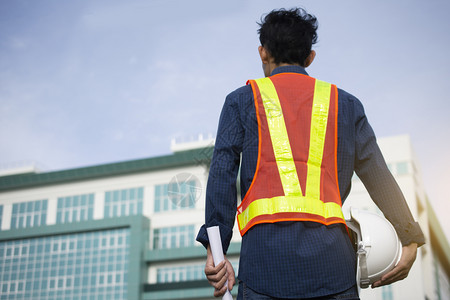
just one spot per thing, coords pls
(221, 191)
(371, 168)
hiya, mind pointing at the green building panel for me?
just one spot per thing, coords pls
(100, 259)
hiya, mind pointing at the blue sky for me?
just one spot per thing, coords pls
(90, 82)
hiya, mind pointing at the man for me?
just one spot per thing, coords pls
(297, 141)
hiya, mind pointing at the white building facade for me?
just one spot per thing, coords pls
(127, 230)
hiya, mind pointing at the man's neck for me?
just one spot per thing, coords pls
(268, 69)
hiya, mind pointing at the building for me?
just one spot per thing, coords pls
(127, 230)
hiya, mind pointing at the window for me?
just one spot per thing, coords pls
(173, 237)
(402, 168)
(185, 272)
(45, 267)
(180, 273)
(387, 292)
(125, 202)
(29, 214)
(176, 195)
(75, 208)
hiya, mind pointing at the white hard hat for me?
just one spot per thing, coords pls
(378, 246)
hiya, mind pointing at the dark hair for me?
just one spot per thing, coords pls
(288, 35)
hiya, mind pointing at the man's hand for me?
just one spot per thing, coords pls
(401, 270)
(218, 275)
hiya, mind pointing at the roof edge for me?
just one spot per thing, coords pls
(183, 158)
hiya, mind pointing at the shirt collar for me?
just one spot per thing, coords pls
(289, 69)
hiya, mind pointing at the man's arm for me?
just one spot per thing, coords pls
(371, 168)
(221, 192)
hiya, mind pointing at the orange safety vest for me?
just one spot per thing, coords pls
(296, 173)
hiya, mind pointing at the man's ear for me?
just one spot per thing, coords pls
(310, 58)
(263, 54)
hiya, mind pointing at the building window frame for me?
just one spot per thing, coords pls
(29, 214)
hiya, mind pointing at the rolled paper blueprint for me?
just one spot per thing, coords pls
(215, 244)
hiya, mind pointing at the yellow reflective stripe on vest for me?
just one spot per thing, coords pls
(293, 200)
(319, 120)
(289, 204)
(279, 137)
